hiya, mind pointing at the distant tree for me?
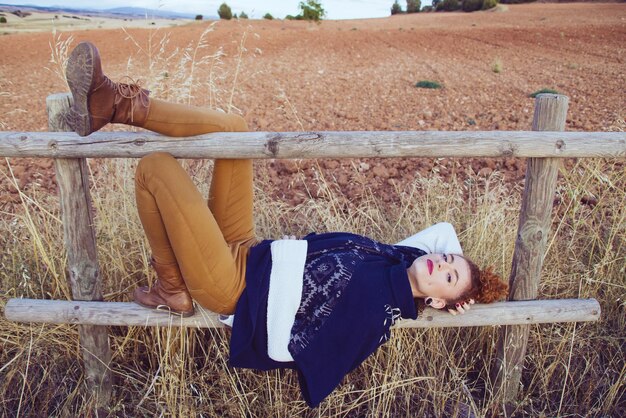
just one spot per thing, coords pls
(396, 8)
(224, 12)
(198, 17)
(290, 17)
(471, 5)
(268, 16)
(435, 3)
(413, 6)
(243, 15)
(312, 10)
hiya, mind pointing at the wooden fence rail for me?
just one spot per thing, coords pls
(544, 149)
(131, 314)
(344, 144)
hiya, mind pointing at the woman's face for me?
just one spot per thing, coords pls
(442, 276)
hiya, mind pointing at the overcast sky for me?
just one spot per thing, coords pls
(335, 9)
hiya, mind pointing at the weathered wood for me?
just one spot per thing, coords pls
(80, 243)
(132, 314)
(347, 144)
(80, 240)
(532, 235)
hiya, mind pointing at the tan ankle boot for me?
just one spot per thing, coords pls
(97, 99)
(169, 291)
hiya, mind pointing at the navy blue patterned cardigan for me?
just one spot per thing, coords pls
(354, 289)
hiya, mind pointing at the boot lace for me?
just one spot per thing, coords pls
(130, 89)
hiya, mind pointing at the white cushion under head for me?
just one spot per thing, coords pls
(439, 238)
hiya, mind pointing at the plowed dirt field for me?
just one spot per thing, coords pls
(352, 75)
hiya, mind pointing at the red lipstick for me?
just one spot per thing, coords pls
(430, 265)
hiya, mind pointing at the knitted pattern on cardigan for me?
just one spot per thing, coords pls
(327, 273)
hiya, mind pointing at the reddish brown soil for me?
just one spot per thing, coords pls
(360, 75)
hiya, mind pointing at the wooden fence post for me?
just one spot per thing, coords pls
(530, 246)
(80, 242)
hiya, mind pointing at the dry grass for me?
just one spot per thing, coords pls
(571, 370)
(6, 90)
(60, 49)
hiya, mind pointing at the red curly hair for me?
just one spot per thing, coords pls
(486, 286)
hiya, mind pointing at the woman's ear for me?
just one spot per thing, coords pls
(437, 303)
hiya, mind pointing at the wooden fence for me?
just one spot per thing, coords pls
(544, 146)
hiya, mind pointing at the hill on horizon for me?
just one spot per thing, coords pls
(119, 12)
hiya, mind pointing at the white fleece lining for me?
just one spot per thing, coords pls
(283, 301)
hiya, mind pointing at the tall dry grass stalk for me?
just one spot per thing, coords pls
(171, 71)
(570, 369)
(60, 49)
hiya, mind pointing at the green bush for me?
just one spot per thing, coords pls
(497, 66)
(427, 9)
(550, 91)
(311, 10)
(413, 6)
(224, 12)
(3, 19)
(198, 17)
(243, 15)
(396, 8)
(472, 5)
(427, 84)
(489, 4)
(268, 16)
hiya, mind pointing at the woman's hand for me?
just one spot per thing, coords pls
(461, 307)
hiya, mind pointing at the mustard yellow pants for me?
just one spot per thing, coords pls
(208, 240)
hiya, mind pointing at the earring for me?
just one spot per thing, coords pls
(428, 301)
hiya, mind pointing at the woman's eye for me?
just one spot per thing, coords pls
(449, 278)
(445, 258)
